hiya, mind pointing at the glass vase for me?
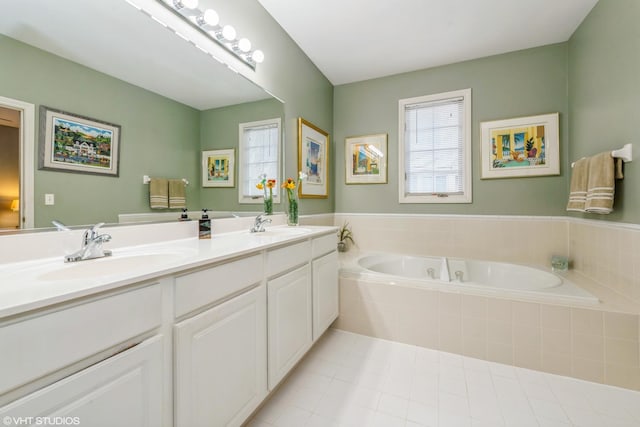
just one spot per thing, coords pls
(268, 205)
(292, 216)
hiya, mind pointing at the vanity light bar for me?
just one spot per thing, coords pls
(207, 22)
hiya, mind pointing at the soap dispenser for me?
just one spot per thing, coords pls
(184, 216)
(204, 225)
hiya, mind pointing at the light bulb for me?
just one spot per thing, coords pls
(258, 56)
(186, 7)
(209, 18)
(244, 45)
(229, 33)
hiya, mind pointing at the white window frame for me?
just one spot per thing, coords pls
(465, 197)
(241, 158)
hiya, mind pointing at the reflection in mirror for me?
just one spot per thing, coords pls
(168, 97)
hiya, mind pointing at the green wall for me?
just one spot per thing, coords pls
(517, 84)
(289, 74)
(604, 95)
(219, 130)
(159, 137)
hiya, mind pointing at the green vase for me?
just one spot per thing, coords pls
(268, 205)
(292, 216)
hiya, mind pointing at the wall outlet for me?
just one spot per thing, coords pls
(49, 199)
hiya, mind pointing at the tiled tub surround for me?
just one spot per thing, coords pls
(598, 344)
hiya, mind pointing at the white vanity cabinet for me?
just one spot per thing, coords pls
(220, 367)
(325, 283)
(289, 302)
(123, 390)
(88, 360)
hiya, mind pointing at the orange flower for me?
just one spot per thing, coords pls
(271, 183)
(290, 184)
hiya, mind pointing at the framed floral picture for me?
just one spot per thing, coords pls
(313, 156)
(366, 159)
(520, 147)
(218, 168)
(73, 143)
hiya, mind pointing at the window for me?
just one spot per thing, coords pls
(259, 153)
(435, 148)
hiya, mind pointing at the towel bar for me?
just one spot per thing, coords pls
(147, 179)
(625, 153)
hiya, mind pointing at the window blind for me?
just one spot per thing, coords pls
(434, 147)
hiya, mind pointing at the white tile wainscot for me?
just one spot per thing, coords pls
(127, 343)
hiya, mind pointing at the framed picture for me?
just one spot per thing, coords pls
(520, 147)
(218, 168)
(313, 160)
(366, 159)
(74, 143)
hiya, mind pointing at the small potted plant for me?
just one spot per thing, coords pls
(344, 234)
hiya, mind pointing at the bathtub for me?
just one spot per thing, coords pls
(475, 277)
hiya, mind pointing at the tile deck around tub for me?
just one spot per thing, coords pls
(355, 380)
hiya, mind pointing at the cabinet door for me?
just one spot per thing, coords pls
(325, 293)
(221, 362)
(289, 311)
(124, 390)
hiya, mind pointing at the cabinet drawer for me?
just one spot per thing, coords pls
(123, 390)
(41, 345)
(288, 257)
(195, 290)
(323, 245)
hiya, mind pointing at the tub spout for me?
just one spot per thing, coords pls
(444, 270)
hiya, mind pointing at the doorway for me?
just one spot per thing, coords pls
(17, 147)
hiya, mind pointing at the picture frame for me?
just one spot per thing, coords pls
(313, 160)
(69, 142)
(218, 168)
(520, 147)
(366, 159)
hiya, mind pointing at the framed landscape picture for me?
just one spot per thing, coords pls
(218, 168)
(74, 143)
(313, 156)
(366, 159)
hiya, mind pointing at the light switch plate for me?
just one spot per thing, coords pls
(49, 199)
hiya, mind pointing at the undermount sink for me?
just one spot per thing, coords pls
(116, 264)
(283, 231)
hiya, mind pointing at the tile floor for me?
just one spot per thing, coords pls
(355, 380)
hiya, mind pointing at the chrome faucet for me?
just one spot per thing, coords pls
(91, 245)
(258, 225)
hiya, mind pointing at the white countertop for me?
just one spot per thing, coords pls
(35, 284)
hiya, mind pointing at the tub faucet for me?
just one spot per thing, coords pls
(258, 225)
(431, 273)
(444, 270)
(91, 245)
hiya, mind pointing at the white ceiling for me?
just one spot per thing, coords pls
(354, 40)
(116, 39)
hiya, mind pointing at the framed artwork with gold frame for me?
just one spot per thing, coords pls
(313, 160)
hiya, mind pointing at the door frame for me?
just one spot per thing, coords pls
(27, 157)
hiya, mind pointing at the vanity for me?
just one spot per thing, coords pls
(184, 332)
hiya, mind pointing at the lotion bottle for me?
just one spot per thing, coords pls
(204, 225)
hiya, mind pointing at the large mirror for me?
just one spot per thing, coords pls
(108, 61)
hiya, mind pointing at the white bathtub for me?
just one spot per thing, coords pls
(476, 277)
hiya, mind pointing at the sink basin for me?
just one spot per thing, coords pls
(108, 266)
(283, 231)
